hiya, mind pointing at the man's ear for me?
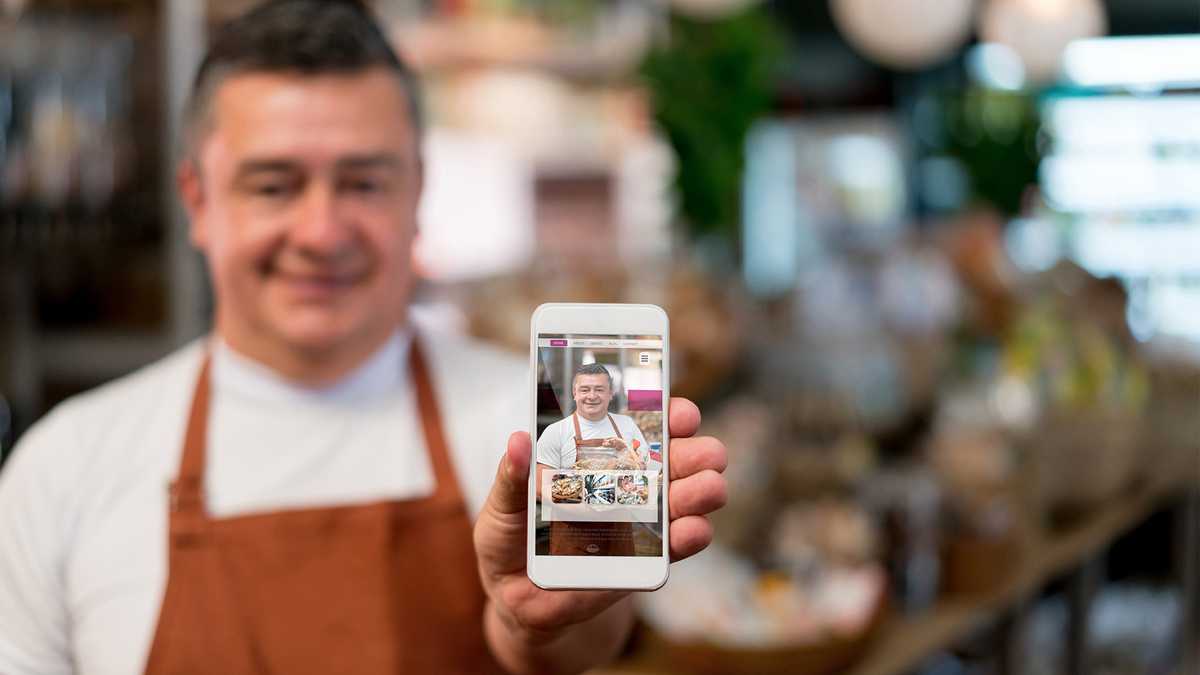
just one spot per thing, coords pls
(191, 193)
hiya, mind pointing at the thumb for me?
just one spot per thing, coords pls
(510, 492)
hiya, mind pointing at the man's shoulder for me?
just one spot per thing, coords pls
(460, 354)
(561, 425)
(480, 384)
(126, 402)
(83, 432)
(479, 380)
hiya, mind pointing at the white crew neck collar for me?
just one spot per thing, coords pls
(383, 372)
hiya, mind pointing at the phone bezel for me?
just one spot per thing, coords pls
(558, 572)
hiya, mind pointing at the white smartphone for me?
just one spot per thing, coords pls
(598, 484)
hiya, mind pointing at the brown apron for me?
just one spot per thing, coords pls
(593, 442)
(385, 587)
(586, 538)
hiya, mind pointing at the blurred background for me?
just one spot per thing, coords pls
(933, 269)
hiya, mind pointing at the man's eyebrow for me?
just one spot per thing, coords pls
(266, 165)
(272, 164)
(382, 160)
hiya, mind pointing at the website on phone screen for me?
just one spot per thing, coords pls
(599, 445)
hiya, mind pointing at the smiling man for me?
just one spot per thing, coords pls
(592, 425)
(314, 487)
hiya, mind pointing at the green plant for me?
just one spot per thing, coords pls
(709, 83)
(994, 135)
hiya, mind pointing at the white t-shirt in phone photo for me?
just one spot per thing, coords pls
(556, 446)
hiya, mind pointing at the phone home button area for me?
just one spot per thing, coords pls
(593, 548)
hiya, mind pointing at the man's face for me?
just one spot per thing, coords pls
(592, 395)
(304, 200)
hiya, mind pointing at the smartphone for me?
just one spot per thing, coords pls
(598, 484)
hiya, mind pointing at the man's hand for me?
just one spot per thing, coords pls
(533, 630)
(631, 459)
(615, 443)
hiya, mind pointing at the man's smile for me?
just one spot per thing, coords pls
(314, 284)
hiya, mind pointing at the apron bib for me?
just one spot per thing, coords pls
(386, 587)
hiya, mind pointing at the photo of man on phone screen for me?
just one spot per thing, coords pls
(592, 426)
(592, 438)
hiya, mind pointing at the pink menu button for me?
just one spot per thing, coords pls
(558, 343)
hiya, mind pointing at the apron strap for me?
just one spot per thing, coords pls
(614, 425)
(187, 491)
(431, 421)
(579, 434)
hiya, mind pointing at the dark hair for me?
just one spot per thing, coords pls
(302, 36)
(592, 369)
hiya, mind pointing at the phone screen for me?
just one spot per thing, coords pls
(599, 449)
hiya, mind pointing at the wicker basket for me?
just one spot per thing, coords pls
(825, 658)
(1083, 458)
(975, 566)
(1172, 433)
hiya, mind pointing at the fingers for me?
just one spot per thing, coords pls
(510, 491)
(684, 418)
(500, 529)
(518, 454)
(689, 536)
(693, 455)
(550, 612)
(697, 495)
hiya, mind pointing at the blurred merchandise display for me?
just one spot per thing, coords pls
(573, 38)
(66, 124)
(908, 504)
(719, 615)
(80, 186)
(913, 411)
(705, 317)
(540, 137)
(819, 183)
(1117, 181)
(1171, 425)
(1071, 350)
(85, 245)
(1131, 626)
(984, 530)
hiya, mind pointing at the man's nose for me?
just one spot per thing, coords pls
(319, 227)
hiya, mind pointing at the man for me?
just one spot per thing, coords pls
(308, 490)
(591, 425)
(618, 441)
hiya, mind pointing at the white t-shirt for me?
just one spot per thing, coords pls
(556, 445)
(83, 500)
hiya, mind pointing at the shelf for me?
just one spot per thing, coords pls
(449, 46)
(906, 641)
(99, 355)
